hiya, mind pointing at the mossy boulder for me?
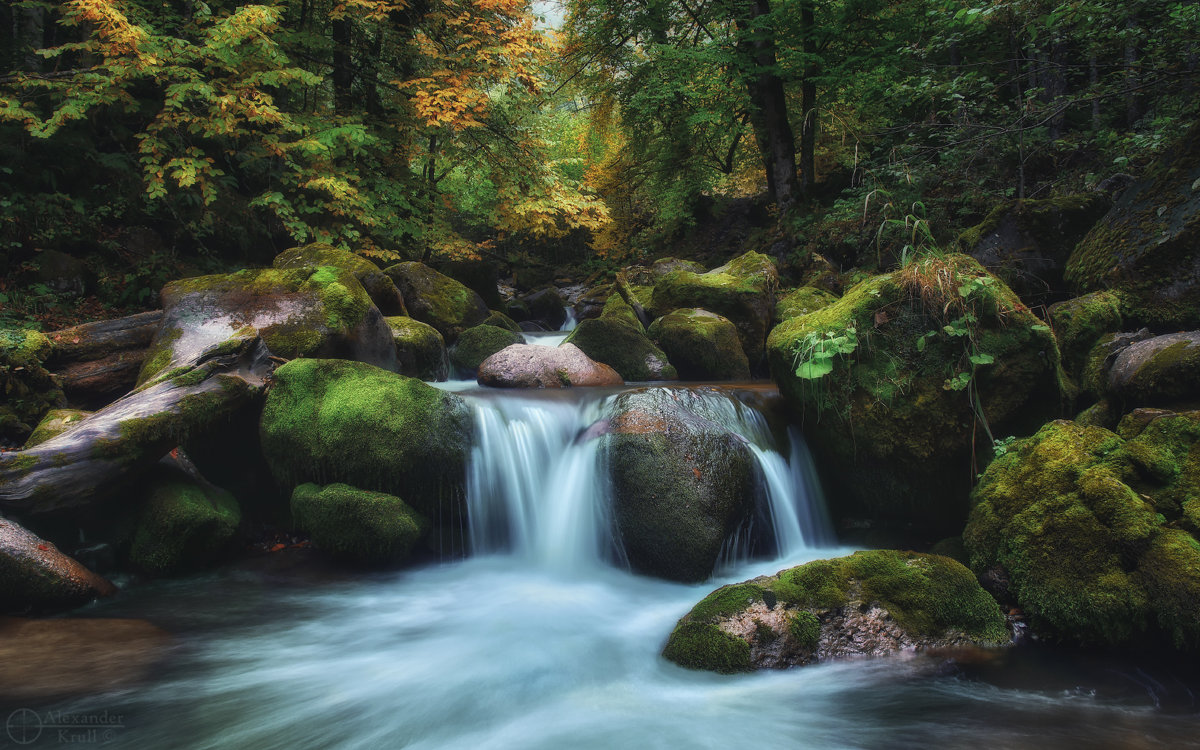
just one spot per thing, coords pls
(701, 345)
(1093, 379)
(28, 388)
(1027, 242)
(1095, 532)
(369, 528)
(379, 286)
(420, 349)
(331, 421)
(682, 483)
(896, 379)
(438, 300)
(617, 339)
(591, 303)
(802, 301)
(302, 312)
(477, 344)
(500, 320)
(742, 290)
(1159, 371)
(868, 604)
(1080, 322)
(1147, 248)
(182, 524)
(55, 423)
(546, 307)
(480, 276)
(36, 578)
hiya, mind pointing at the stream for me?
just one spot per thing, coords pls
(541, 638)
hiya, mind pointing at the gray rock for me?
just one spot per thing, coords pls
(530, 366)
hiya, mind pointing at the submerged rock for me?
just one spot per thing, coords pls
(530, 366)
(420, 349)
(438, 300)
(868, 604)
(900, 380)
(370, 528)
(36, 577)
(1095, 532)
(742, 290)
(701, 345)
(329, 421)
(682, 483)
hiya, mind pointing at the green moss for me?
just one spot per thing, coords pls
(420, 349)
(622, 348)
(805, 629)
(182, 526)
(802, 301)
(500, 320)
(27, 388)
(55, 423)
(371, 528)
(343, 297)
(695, 645)
(701, 345)
(617, 310)
(1082, 521)
(477, 344)
(1079, 323)
(438, 300)
(337, 421)
(727, 600)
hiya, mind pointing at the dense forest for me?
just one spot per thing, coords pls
(141, 142)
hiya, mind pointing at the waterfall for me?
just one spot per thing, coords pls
(537, 488)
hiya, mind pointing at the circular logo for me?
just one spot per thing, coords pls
(24, 726)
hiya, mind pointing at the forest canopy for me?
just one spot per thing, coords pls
(142, 138)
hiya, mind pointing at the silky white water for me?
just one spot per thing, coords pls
(542, 639)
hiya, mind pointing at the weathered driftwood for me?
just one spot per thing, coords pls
(95, 458)
(97, 382)
(99, 340)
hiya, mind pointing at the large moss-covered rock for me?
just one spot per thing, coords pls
(379, 286)
(304, 312)
(1094, 532)
(335, 421)
(546, 307)
(1027, 242)
(1147, 248)
(28, 389)
(371, 528)
(701, 345)
(617, 339)
(802, 301)
(480, 276)
(895, 381)
(742, 290)
(682, 483)
(420, 349)
(1159, 371)
(870, 603)
(438, 300)
(182, 525)
(477, 344)
(1080, 322)
(36, 577)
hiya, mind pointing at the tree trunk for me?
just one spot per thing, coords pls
(1133, 109)
(343, 71)
(768, 103)
(808, 98)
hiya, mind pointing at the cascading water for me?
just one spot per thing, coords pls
(537, 486)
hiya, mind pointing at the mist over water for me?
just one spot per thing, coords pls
(542, 639)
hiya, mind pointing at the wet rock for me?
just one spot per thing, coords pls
(36, 577)
(182, 524)
(682, 483)
(618, 340)
(530, 366)
(868, 604)
(546, 307)
(1158, 371)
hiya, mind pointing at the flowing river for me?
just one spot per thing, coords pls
(541, 638)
